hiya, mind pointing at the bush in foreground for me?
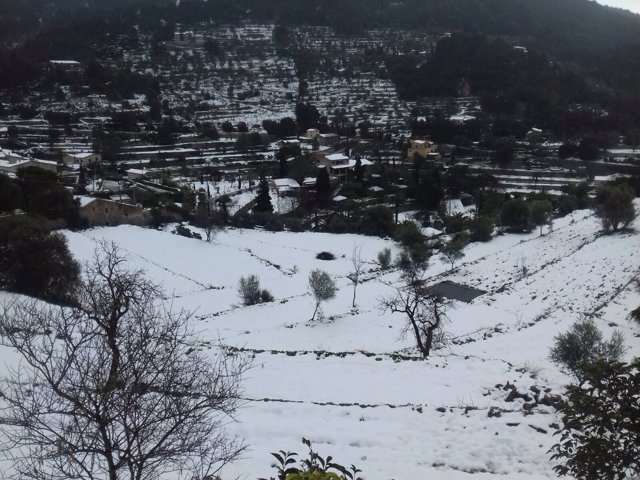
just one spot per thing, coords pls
(601, 424)
(315, 467)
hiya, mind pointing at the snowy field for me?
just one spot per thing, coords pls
(338, 382)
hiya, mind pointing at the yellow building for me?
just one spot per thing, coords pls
(422, 148)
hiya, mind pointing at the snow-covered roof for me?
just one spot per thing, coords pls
(45, 162)
(64, 62)
(430, 232)
(336, 157)
(309, 181)
(342, 166)
(461, 118)
(286, 183)
(82, 155)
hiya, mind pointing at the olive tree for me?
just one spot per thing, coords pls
(424, 311)
(114, 387)
(453, 251)
(322, 287)
(541, 211)
(614, 206)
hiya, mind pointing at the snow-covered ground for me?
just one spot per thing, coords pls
(338, 382)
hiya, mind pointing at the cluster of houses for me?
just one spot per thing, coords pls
(11, 162)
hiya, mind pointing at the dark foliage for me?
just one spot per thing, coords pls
(325, 256)
(34, 261)
(516, 215)
(614, 206)
(584, 345)
(44, 196)
(263, 200)
(601, 424)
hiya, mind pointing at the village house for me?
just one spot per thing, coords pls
(11, 162)
(101, 211)
(312, 133)
(66, 65)
(340, 165)
(81, 158)
(421, 148)
(327, 139)
(285, 187)
(136, 173)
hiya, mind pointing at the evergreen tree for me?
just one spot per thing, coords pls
(323, 186)
(358, 170)
(263, 200)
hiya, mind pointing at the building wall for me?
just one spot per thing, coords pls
(421, 148)
(108, 212)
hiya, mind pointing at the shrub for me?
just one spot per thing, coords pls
(453, 251)
(614, 206)
(567, 204)
(322, 288)
(250, 293)
(584, 345)
(36, 262)
(294, 225)
(408, 234)
(337, 223)
(315, 467)
(325, 256)
(265, 296)
(384, 258)
(454, 223)
(269, 221)
(599, 438)
(481, 229)
(377, 221)
(516, 216)
(183, 231)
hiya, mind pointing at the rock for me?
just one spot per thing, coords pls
(494, 412)
(513, 394)
(538, 429)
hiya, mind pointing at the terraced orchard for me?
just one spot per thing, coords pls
(480, 405)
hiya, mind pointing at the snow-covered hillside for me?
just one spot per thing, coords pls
(358, 390)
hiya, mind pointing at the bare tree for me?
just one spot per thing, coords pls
(322, 288)
(115, 387)
(425, 312)
(358, 269)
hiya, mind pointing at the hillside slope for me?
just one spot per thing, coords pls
(353, 385)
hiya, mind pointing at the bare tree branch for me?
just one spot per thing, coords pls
(115, 386)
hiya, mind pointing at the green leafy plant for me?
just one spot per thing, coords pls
(601, 424)
(314, 467)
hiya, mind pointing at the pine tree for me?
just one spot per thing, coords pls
(323, 187)
(263, 200)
